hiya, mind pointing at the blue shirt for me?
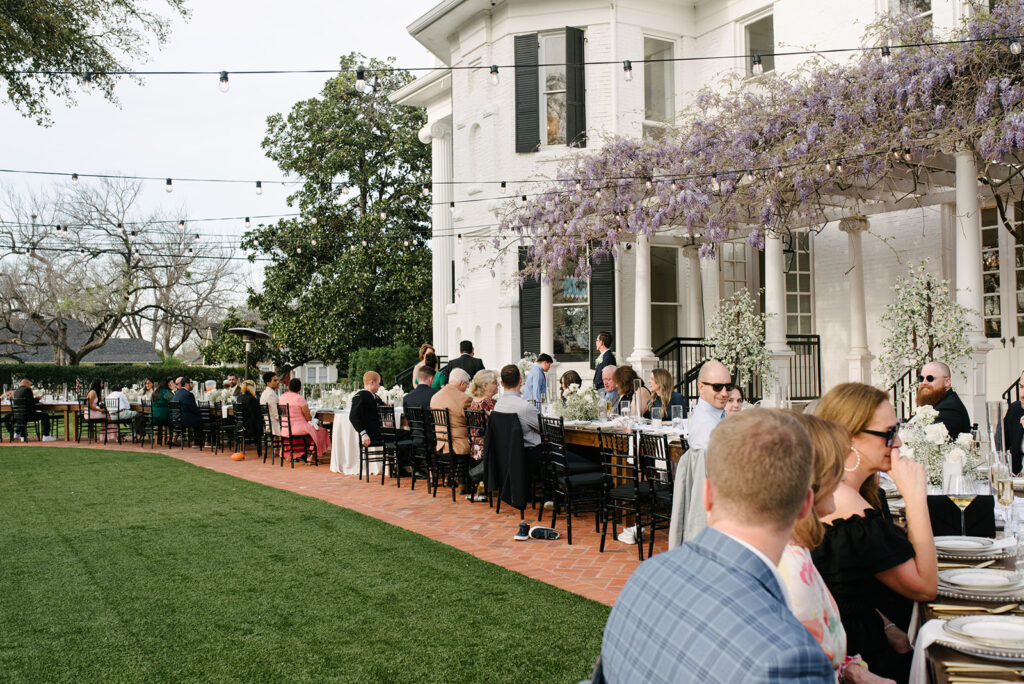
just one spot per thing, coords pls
(703, 420)
(536, 385)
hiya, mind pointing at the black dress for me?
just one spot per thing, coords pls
(853, 551)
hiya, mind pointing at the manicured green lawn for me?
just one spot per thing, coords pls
(124, 566)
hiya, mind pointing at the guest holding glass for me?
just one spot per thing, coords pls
(874, 570)
(483, 388)
(424, 350)
(299, 418)
(662, 396)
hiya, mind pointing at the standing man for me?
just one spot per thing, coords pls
(363, 412)
(604, 358)
(269, 397)
(714, 382)
(536, 386)
(714, 610)
(466, 361)
(934, 388)
(32, 412)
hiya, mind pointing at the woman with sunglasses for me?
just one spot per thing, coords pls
(874, 570)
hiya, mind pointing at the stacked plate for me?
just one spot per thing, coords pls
(986, 584)
(991, 636)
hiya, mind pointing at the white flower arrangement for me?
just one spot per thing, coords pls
(737, 334)
(134, 393)
(525, 364)
(222, 395)
(580, 403)
(391, 396)
(927, 442)
(336, 399)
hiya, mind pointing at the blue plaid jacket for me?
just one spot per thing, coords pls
(708, 611)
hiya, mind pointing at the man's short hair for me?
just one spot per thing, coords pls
(759, 463)
(545, 358)
(608, 371)
(425, 373)
(465, 347)
(180, 380)
(457, 376)
(606, 338)
(268, 376)
(24, 380)
(232, 375)
(510, 376)
(370, 376)
(185, 380)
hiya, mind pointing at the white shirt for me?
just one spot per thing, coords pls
(703, 420)
(122, 401)
(269, 397)
(767, 561)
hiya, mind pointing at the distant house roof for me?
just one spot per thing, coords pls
(116, 349)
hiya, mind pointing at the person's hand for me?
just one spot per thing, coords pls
(898, 639)
(1022, 421)
(909, 475)
(366, 440)
(862, 675)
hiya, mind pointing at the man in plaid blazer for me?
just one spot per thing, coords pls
(715, 609)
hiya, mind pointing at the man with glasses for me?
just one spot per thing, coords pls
(934, 388)
(713, 384)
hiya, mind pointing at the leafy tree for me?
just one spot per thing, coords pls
(353, 270)
(737, 334)
(229, 348)
(61, 41)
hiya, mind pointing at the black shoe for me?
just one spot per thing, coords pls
(524, 532)
(420, 476)
(301, 459)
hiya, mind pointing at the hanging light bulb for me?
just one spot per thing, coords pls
(674, 186)
(247, 223)
(715, 185)
(131, 235)
(406, 243)
(313, 242)
(627, 70)
(460, 238)
(1015, 45)
(191, 251)
(58, 228)
(907, 155)
(181, 224)
(756, 67)
(312, 220)
(344, 188)
(223, 86)
(504, 187)
(425, 190)
(87, 81)
(828, 167)
(197, 237)
(74, 179)
(839, 165)
(649, 183)
(259, 187)
(298, 250)
(494, 74)
(383, 215)
(120, 226)
(524, 199)
(361, 80)
(886, 55)
(364, 243)
(169, 185)
(579, 186)
(750, 176)
(451, 207)
(597, 193)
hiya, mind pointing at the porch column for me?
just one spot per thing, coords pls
(859, 357)
(694, 309)
(642, 359)
(776, 394)
(711, 291)
(968, 282)
(439, 135)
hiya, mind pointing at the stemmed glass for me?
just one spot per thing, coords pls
(961, 490)
(1002, 487)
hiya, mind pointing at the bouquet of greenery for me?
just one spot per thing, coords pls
(927, 442)
(580, 403)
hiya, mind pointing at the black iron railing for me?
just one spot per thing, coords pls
(1012, 393)
(405, 377)
(903, 394)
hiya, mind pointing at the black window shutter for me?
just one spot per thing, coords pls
(529, 311)
(575, 89)
(527, 93)
(602, 300)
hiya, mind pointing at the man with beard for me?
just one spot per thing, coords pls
(935, 389)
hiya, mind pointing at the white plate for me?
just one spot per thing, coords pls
(992, 630)
(986, 579)
(963, 544)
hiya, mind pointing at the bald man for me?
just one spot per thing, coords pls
(934, 388)
(713, 385)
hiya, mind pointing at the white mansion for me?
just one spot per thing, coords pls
(828, 288)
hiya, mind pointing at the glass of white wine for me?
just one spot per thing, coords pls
(961, 490)
(1003, 489)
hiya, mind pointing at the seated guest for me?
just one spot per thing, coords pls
(1013, 429)
(162, 396)
(536, 386)
(252, 417)
(713, 385)
(609, 391)
(299, 416)
(483, 388)
(363, 411)
(232, 384)
(191, 416)
(511, 401)
(569, 378)
(147, 389)
(873, 569)
(421, 394)
(935, 388)
(625, 378)
(122, 410)
(94, 407)
(32, 413)
(424, 350)
(662, 395)
(454, 398)
(734, 404)
(809, 597)
(714, 609)
(269, 397)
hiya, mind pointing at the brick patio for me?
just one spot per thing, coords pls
(471, 527)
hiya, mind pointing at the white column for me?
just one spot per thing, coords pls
(547, 317)
(711, 290)
(776, 394)
(693, 297)
(859, 356)
(968, 281)
(440, 134)
(642, 359)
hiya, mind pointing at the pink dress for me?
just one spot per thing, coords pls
(293, 403)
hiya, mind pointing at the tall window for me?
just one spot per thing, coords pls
(552, 97)
(760, 36)
(659, 87)
(799, 317)
(571, 299)
(1002, 273)
(990, 276)
(664, 294)
(315, 374)
(734, 267)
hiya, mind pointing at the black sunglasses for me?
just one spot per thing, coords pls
(889, 435)
(719, 386)
(922, 378)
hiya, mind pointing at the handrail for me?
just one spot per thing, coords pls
(406, 375)
(903, 395)
(1012, 390)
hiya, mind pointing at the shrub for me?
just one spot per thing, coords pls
(388, 361)
(115, 375)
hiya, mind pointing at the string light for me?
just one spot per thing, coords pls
(223, 86)
(750, 176)
(383, 215)
(312, 220)
(169, 185)
(649, 183)
(361, 80)
(120, 226)
(504, 186)
(494, 74)
(524, 199)
(627, 69)
(74, 179)
(757, 68)
(425, 190)
(247, 223)
(1015, 45)
(313, 242)
(779, 173)
(364, 243)
(298, 250)
(460, 238)
(259, 187)
(839, 165)
(87, 82)
(451, 207)
(828, 166)
(886, 55)
(579, 186)
(715, 185)
(406, 243)
(197, 237)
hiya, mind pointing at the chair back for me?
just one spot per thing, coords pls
(442, 435)
(505, 459)
(414, 415)
(147, 407)
(19, 410)
(284, 413)
(654, 461)
(617, 461)
(113, 407)
(388, 428)
(239, 417)
(176, 414)
(476, 425)
(206, 411)
(552, 436)
(265, 411)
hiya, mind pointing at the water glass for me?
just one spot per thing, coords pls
(624, 408)
(656, 416)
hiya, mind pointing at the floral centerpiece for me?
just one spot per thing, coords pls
(580, 403)
(336, 398)
(222, 396)
(526, 363)
(927, 442)
(134, 393)
(391, 396)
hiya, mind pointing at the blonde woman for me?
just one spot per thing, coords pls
(483, 388)
(662, 396)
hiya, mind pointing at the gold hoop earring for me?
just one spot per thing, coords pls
(857, 464)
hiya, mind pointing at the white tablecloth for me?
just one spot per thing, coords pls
(345, 444)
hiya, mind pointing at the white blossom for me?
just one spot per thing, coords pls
(737, 334)
(936, 433)
(956, 455)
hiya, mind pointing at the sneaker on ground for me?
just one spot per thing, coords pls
(523, 533)
(479, 497)
(548, 505)
(543, 533)
(628, 535)
(49, 438)
(17, 438)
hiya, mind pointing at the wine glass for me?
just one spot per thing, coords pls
(961, 490)
(1002, 487)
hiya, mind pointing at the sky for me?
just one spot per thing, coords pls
(182, 126)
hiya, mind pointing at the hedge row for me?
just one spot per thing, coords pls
(388, 361)
(113, 375)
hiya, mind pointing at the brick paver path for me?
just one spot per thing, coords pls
(471, 527)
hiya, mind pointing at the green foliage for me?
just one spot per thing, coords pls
(228, 347)
(737, 333)
(354, 269)
(208, 600)
(80, 36)
(113, 375)
(388, 361)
